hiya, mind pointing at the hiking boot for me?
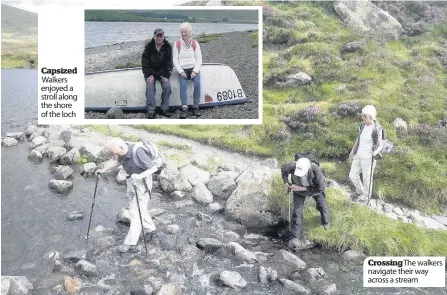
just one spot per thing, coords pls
(196, 112)
(184, 113)
(151, 115)
(164, 113)
(327, 226)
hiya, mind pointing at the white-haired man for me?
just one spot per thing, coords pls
(307, 181)
(140, 178)
(367, 146)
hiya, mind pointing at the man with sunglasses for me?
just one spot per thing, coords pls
(157, 65)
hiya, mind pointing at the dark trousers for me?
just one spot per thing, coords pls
(298, 205)
(150, 95)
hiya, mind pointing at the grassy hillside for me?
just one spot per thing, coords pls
(404, 78)
(19, 38)
(230, 16)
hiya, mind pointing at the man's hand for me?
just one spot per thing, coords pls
(150, 79)
(183, 74)
(297, 188)
(193, 75)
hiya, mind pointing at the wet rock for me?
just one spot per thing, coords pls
(37, 141)
(93, 152)
(201, 194)
(272, 163)
(173, 228)
(66, 135)
(316, 274)
(366, 17)
(121, 177)
(294, 287)
(267, 275)
(86, 267)
(242, 253)
(329, 290)
(171, 179)
(75, 256)
(75, 215)
(232, 279)
(115, 113)
(178, 195)
(62, 172)
(401, 127)
(88, 168)
(60, 186)
(56, 153)
(214, 207)
(156, 212)
(209, 244)
(71, 157)
(16, 135)
(354, 256)
(204, 217)
(8, 141)
(248, 204)
(222, 185)
(16, 285)
(292, 260)
(43, 149)
(170, 289)
(124, 216)
(195, 175)
(71, 285)
(35, 155)
(30, 129)
(183, 204)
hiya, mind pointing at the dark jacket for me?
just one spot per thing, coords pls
(314, 176)
(157, 63)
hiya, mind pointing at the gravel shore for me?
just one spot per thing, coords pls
(233, 49)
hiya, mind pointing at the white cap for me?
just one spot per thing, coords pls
(370, 110)
(302, 166)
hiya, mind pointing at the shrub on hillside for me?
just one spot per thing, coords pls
(267, 11)
(348, 109)
(430, 134)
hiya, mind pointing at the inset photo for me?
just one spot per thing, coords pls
(194, 63)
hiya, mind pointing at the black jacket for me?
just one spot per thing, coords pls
(314, 176)
(157, 63)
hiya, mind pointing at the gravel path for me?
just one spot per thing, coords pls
(233, 49)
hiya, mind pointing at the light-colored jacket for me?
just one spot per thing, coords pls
(187, 58)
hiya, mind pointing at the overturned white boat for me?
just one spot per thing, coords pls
(126, 88)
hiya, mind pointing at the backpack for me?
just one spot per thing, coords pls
(310, 155)
(387, 146)
(152, 151)
(193, 44)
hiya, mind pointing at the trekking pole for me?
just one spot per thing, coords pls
(139, 212)
(370, 181)
(91, 210)
(290, 214)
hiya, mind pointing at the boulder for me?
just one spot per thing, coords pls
(35, 155)
(86, 267)
(209, 244)
(171, 179)
(222, 184)
(75, 256)
(248, 204)
(38, 132)
(195, 175)
(292, 260)
(200, 161)
(16, 285)
(229, 167)
(296, 79)
(93, 152)
(398, 211)
(66, 135)
(30, 129)
(214, 207)
(243, 254)
(173, 228)
(294, 287)
(62, 172)
(9, 141)
(232, 279)
(354, 256)
(267, 275)
(88, 168)
(60, 186)
(57, 142)
(56, 153)
(316, 273)
(16, 135)
(71, 157)
(170, 289)
(401, 127)
(365, 17)
(115, 113)
(201, 194)
(37, 141)
(355, 46)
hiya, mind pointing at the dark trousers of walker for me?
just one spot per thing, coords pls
(298, 205)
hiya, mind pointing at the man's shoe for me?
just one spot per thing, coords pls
(123, 248)
(183, 113)
(151, 115)
(164, 113)
(196, 112)
(327, 226)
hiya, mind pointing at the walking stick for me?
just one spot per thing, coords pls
(139, 212)
(290, 214)
(91, 210)
(370, 181)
